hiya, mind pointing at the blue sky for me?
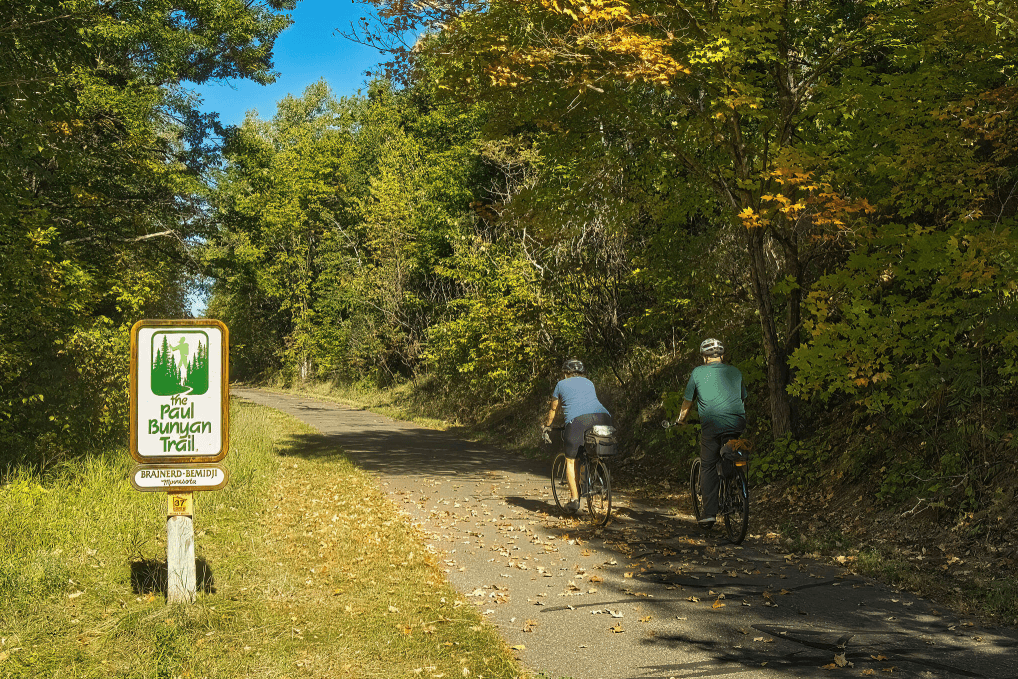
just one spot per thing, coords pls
(305, 52)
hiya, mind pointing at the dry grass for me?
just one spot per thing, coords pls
(311, 573)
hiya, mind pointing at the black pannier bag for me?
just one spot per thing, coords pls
(734, 454)
(599, 441)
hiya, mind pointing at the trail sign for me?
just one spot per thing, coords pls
(169, 478)
(179, 391)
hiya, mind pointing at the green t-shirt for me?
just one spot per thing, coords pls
(718, 392)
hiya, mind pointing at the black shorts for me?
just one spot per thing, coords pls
(574, 431)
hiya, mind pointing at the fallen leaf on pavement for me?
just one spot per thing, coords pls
(519, 647)
(618, 628)
(718, 604)
(645, 618)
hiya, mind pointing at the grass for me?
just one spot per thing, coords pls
(311, 572)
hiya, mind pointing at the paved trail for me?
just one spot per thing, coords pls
(650, 596)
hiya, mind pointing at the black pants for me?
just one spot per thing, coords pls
(574, 431)
(710, 456)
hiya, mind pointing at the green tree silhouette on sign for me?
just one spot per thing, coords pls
(188, 376)
(198, 371)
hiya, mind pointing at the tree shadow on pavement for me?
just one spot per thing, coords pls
(410, 452)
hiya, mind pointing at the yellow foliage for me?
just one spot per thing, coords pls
(802, 198)
(605, 29)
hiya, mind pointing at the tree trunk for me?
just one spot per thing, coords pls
(777, 364)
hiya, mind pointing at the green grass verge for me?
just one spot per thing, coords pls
(313, 573)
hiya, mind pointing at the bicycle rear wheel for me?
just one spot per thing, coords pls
(599, 493)
(735, 506)
(695, 493)
(559, 484)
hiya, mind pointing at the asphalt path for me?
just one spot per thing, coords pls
(650, 595)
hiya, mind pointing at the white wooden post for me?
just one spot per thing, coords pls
(180, 570)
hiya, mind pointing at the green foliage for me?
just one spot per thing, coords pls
(335, 220)
(491, 339)
(786, 461)
(828, 188)
(101, 162)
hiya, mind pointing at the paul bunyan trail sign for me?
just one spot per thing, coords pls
(179, 391)
(180, 427)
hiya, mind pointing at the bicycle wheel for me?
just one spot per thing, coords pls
(735, 506)
(599, 493)
(695, 494)
(559, 484)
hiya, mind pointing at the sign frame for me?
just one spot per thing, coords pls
(179, 489)
(195, 323)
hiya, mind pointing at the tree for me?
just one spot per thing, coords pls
(751, 99)
(101, 162)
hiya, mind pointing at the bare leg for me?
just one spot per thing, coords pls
(574, 492)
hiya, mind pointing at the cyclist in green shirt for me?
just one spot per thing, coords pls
(720, 395)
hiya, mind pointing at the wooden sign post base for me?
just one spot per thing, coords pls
(180, 570)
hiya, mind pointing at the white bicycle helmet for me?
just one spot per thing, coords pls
(573, 366)
(712, 348)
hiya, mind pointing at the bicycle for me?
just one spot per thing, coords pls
(733, 493)
(592, 474)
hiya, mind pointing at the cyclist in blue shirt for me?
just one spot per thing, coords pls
(720, 397)
(575, 396)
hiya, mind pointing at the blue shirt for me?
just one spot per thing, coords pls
(718, 392)
(577, 397)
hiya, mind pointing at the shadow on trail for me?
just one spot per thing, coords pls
(869, 651)
(535, 506)
(410, 452)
